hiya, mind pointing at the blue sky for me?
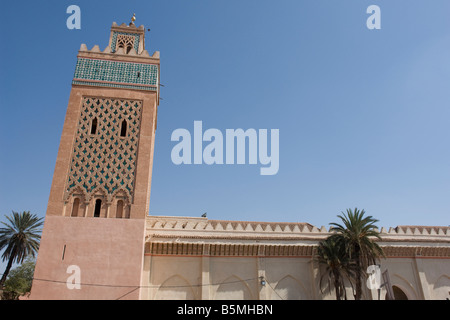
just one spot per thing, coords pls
(363, 114)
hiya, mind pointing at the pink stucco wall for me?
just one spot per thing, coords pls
(108, 252)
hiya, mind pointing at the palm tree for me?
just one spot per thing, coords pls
(20, 238)
(338, 267)
(358, 233)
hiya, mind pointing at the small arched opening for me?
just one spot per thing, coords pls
(123, 129)
(119, 210)
(75, 207)
(97, 208)
(399, 294)
(94, 126)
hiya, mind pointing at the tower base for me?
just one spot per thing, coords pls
(89, 258)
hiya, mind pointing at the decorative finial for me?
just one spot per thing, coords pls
(133, 19)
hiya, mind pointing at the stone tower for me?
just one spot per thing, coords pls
(99, 199)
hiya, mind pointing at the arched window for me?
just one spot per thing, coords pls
(123, 129)
(126, 42)
(94, 126)
(127, 49)
(75, 207)
(98, 206)
(399, 294)
(119, 211)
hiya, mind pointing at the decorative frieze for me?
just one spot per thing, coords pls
(416, 251)
(200, 236)
(178, 248)
(116, 74)
(227, 249)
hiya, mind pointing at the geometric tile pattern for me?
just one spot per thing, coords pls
(105, 160)
(108, 73)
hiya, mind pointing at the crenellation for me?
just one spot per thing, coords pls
(258, 228)
(278, 228)
(248, 227)
(219, 226)
(239, 227)
(229, 227)
(209, 227)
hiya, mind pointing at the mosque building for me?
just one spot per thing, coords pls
(99, 242)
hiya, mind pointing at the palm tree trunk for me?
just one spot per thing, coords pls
(358, 274)
(358, 286)
(337, 287)
(5, 274)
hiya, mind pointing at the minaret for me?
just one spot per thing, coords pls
(100, 193)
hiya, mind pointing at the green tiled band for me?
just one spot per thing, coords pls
(126, 73)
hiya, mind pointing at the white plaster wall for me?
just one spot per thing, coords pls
(291, 278)
(234, 278)
(437, 274)
(173, 278)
